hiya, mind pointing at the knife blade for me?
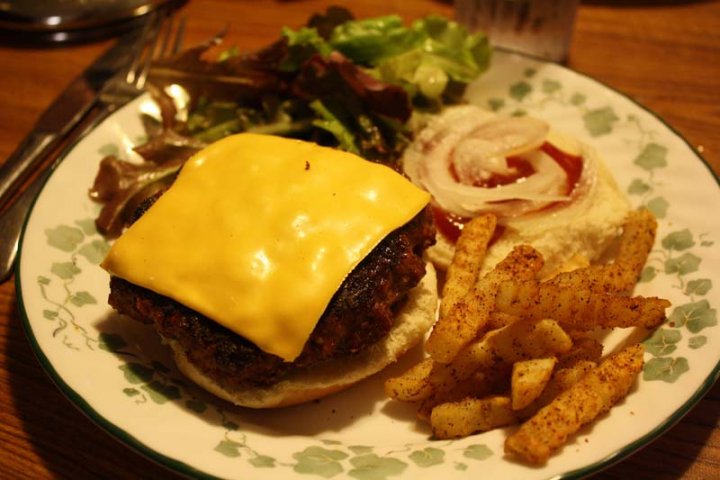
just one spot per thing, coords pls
(68, 109)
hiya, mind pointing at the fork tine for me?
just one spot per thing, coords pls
(148, 36)
(155, 42)
(172, 40)
(179, 35)
(166, 34)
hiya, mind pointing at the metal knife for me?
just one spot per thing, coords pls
(64, 114)
(113, 94)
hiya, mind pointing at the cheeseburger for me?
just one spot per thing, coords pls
(279, 271)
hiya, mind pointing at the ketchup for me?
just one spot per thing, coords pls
(572, 164)
(450, 225)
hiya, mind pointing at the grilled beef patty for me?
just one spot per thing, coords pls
(360, 313)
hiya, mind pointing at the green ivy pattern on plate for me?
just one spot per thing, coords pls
(332, 458)
(688, 320)
(80, 241)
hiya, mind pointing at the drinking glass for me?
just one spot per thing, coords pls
(541, 28)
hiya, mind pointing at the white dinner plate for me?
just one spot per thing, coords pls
(118, 373)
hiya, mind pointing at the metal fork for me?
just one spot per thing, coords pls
(161, 38)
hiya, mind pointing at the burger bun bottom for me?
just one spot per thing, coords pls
(412, 322)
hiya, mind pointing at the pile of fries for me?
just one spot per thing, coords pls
(510, 348)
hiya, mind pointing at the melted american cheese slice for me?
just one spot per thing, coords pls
(258, 232)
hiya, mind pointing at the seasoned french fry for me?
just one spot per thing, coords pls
(610, 279)
(523, 262)
(469, 315)
(561, 380)
(500, 320)
(452, 332)
(636, 241)
(518, 341)
(619, 277)
(466, 415)
(458, 319)
(470, 415)
(576, 262)
(464, 270)
(497, 350)
(583, 349)
(597, 392)
(578, 309)
(509, 348)
(529, 378)
(529, 339)
(480, 384)
(413, 384)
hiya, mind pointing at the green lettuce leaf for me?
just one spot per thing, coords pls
(425, 58)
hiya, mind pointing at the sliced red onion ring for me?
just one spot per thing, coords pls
(467, 145)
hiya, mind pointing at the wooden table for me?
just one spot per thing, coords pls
(666, 55)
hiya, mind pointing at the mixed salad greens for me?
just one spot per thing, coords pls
(338, 81)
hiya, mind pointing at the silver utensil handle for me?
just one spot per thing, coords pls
(11, 223)
(21, 162)
(13, 219)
